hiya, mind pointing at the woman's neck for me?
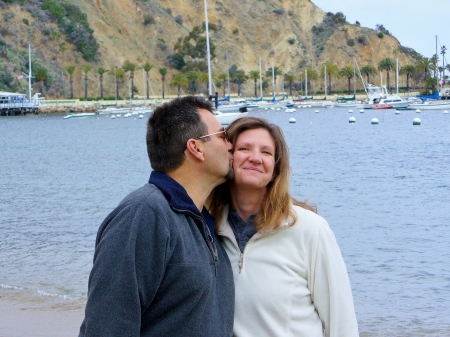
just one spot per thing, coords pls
(246, 201)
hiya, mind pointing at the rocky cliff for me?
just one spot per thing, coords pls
(289, 34)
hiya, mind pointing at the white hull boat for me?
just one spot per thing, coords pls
(228, 117)
(80, 115)
(133, 110)
(315, 104)
(430, 106)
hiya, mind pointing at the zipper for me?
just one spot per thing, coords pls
(206, 236)
(241, 261)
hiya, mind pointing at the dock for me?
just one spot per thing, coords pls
(13, 104)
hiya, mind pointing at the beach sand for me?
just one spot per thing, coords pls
(19, 318)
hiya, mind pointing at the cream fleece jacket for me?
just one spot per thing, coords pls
(291, 281)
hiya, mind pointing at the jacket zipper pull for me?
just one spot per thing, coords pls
(240, 262)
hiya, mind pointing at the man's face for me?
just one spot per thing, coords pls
(217, 147)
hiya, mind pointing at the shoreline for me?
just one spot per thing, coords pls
(21, 316)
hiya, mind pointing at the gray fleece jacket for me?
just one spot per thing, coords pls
(157, 269)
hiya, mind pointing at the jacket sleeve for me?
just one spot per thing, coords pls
(330, 286)
(129, 263)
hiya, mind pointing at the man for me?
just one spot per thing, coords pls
(158, 268)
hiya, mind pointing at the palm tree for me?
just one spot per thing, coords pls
(368, 70)
(443, 52)
(312, 76)
(407, 70)
(240, 78)
(163, 73)
(86, 68)
(131, 68)
(434, 61)
(348, 73)
(62, 49)
(254, 75)
(290, 78)
(70, 70)
(424, 65)
(119, 72)
(276, 71)
(101, 71)
(147, 67)
(193, 79)
(386, 64)
(332, 70)
(41, 74)
(223, 77)
(179, 80)
(203, 78)
(431, 83)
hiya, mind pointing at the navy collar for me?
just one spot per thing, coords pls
(178, 198)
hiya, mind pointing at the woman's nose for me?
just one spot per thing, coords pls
(255, 157)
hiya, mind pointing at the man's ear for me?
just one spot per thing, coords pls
(194, 149)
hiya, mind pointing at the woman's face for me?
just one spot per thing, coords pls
(254, 159)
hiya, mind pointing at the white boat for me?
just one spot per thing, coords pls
(430, 105)
(315, 104)
(132, 110)
(228, 117)
(80, 115)
(348, 104)
(380, 96)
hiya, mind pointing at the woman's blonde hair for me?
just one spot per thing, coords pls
(276, 205)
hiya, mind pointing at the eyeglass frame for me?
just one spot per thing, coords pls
(224, 131)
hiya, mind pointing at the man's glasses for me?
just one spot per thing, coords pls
(224, 131)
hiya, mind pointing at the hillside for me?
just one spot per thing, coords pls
(289, 34)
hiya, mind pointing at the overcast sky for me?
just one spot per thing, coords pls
(414, 23)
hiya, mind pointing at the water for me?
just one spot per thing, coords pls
(383, 188)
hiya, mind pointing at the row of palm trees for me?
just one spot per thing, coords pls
(420, 71)
(118, 73)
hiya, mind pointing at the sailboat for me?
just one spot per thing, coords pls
(223, 118)
(308, 103)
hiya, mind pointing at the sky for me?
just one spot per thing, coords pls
(414, 23)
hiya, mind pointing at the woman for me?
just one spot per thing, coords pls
(289, 274)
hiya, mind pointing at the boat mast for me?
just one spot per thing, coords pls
(228, 74)
(325, 79)
(273, 81)
(354, 79)
(306, 83)
(29, 73)
(208, 51)
(435, 60)
(396, 73)
(115, 84)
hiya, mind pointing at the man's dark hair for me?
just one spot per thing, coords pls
(170, 127)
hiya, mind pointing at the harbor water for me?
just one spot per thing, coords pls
(384, 190)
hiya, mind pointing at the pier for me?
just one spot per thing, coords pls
(12, 104)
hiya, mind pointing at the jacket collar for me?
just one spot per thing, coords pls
(226, 231)
(178, 198)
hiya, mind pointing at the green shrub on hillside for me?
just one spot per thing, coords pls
(74, 23)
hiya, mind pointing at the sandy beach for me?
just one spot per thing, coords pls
(38, 318)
